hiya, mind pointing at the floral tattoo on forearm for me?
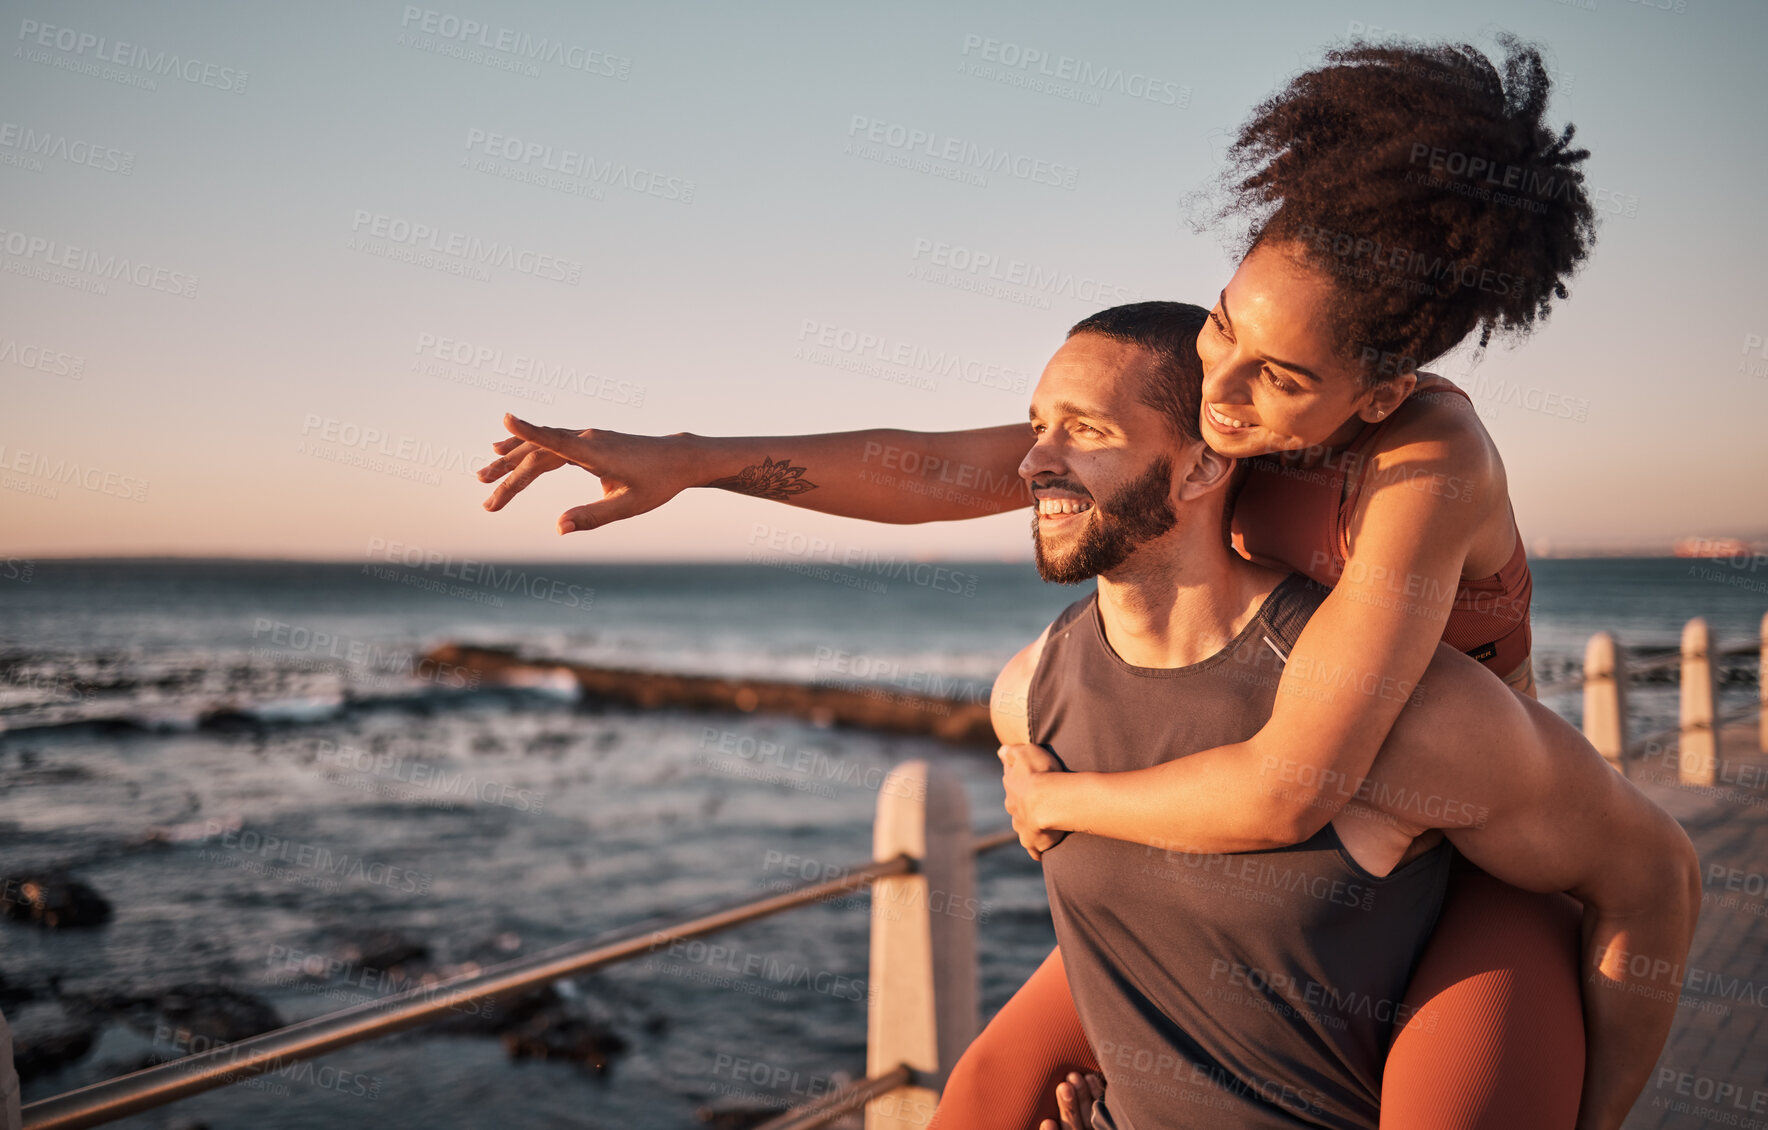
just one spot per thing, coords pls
(773, 479)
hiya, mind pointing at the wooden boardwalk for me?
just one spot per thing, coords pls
(1714, 1070)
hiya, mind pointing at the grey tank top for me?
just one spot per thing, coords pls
(1256, 989)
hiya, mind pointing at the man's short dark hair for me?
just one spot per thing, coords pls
(1168, 330)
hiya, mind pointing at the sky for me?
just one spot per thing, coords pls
(241, 313)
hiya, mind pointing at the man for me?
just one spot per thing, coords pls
(1262, 989)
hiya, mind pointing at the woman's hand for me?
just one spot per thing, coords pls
(638, 473)
(1022, 766)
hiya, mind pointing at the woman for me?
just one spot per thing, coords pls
(1397, 200)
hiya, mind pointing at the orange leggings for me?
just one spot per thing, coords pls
(1494, 1038)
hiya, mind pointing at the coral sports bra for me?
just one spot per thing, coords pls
(1291, 517)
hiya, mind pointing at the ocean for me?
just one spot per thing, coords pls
(201, 742)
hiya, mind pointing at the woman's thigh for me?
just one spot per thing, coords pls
(1006, 1079)
(1493, 1037)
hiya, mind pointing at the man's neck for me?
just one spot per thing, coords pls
(1180, 599)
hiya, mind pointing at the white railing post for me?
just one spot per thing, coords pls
(1697, 753)
(10, 1118)
(925, 1006)
(1605, 699)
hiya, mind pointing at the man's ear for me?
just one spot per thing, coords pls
(1210, 471)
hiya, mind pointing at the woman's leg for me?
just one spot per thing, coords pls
(1493, 1037)
(1006, 1079)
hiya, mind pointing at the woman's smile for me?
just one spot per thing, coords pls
(1226, 423)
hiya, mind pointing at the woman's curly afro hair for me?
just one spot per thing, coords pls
(1424, 180)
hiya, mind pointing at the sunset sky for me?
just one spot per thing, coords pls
(240, 313)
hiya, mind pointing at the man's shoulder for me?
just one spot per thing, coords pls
(1010, 701)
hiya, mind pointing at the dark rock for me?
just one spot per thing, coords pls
(213, 1013)
(384, 950)
(962, 720)
(52, 900)
(584, 1042)
(543, 1024)
(216, 1012)
(12, 994)
(229, 720)
(39, 1050)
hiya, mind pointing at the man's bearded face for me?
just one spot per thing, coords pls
(1102, 532)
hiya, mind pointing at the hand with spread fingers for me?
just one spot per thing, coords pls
(1022, 765)
(637, 473)
(1076, 1096)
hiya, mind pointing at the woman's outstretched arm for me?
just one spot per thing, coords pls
(880, 474)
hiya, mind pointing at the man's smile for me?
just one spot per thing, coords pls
(1059, 505)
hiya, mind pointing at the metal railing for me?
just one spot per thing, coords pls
(898, 806)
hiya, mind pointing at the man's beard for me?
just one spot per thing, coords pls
(1117, 527)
